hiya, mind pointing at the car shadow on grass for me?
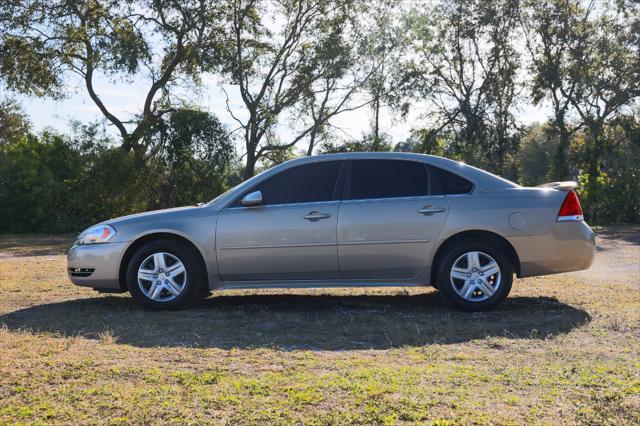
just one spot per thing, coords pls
(299, 322)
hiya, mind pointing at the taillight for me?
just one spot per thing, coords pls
(570, 209)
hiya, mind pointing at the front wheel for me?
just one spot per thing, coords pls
(165, 274)
(474, 276)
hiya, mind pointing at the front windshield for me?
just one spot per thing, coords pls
(223, 194)
(237, 186)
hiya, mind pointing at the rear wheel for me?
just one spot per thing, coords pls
(165, 274)
(474, 275)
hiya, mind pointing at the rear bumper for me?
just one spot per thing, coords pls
(571, 246)
(96, 265)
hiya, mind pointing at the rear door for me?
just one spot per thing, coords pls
(388, 222)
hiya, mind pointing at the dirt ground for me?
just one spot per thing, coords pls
(618, 257)
(562, 349)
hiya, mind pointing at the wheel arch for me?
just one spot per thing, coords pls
(489, 236)
(122, 272)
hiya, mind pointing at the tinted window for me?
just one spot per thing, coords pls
(445, 182)
(302, 184)
(387, 179)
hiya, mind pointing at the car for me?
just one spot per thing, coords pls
(344, 220)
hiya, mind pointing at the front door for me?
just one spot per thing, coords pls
(388, 222)
(291, 235)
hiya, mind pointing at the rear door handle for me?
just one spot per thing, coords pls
(428, 210)
(317, 216)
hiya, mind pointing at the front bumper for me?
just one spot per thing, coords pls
(571, 246)
(96, 265)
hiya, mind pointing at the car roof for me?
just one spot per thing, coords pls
(480, 177)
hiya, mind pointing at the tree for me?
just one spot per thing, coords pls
(606, 72)
(43, 41)
(192, 160)
(424, 141)
(553, 30)
(466, 66)
(381, 43)
(615, 196)
(584, 59)
(357, 66)
(537, 150)
(368, 143)
(336, 75)
(13, 122)
(270, 53)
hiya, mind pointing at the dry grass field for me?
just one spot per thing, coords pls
(562, 349)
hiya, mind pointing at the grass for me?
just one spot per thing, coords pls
(562, 349)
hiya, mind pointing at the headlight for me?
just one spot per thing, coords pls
(96, 234)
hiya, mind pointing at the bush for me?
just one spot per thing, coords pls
(615, 195)
(616, 198)
(53, 183)
(48, 184)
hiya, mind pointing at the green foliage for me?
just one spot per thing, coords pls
(614, 195)
(272, 46)
(466, 66)
(36, 175)
(585, 61)
(22, 67)
(13, 122)
(613, 198)
(53, 183)
(162, 41)
(535, 155)
(368, 143)
(430, 141)
(194, 159)
(275, 157)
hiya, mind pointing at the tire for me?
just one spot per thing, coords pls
(166, 275)
(470, 287)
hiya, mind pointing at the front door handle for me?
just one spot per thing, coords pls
(317, 216)
(428, 210)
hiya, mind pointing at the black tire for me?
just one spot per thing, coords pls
(446, 287)
(195, 285)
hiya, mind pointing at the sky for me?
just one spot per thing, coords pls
(125, 99)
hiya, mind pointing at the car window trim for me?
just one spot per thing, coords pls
(346, 192)
(252, 188)
(430, 181)
(267, 206)
(338, 189)
(405, 198)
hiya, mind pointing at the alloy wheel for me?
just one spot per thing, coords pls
(475, 276)
(162, 277)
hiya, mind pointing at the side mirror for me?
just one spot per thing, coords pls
(252, 199)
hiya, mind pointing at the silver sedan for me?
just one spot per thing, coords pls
(344, 220)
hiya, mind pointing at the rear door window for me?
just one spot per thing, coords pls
(387, 179)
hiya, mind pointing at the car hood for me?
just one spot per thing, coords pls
(164, 215)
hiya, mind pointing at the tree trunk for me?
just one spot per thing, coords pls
(560, 163)
(376, 123)
(250, 168)
(594, 157)
(251, 146)
(139, 152)
(312, 142)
